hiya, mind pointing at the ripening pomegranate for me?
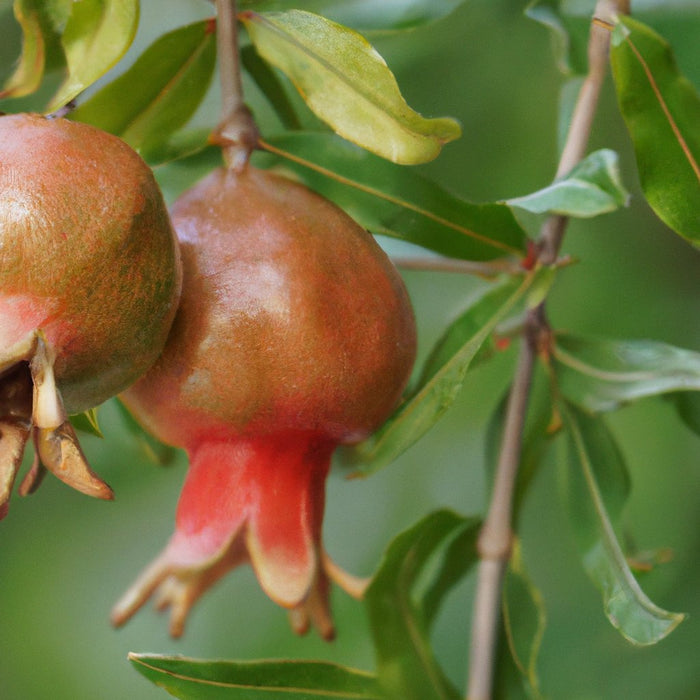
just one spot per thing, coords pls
(89, 281)
(294, 334)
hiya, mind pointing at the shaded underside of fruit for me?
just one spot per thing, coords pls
(294, 334)
(89, 282)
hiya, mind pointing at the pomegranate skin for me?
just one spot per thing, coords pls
(291, 318)
(294, 334)
(90, 278)
(87, 254)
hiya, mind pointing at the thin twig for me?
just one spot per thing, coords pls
(582, 119)
(237, 133)
(495, 540)
(469, 267)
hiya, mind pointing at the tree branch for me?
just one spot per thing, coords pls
(495, 540)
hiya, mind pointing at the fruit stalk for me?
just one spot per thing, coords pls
(236, 133)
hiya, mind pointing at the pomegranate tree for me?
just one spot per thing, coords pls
(294, 334)
(89, 282)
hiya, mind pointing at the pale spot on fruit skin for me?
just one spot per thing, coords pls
(17, 209)
(258, 288)
(19, 315)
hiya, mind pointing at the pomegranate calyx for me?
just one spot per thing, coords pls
(31, 404)
(249, 500)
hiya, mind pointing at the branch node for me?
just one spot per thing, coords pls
(494, 544)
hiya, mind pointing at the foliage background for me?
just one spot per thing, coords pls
(64, 558)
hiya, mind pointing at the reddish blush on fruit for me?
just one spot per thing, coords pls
(295, 334)
(90, 278)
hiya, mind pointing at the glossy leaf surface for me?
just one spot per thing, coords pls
(97, 34)
(596, 491)
(398, 202)
(173, 75)
(419, 568)
(592, 188)
(347, 84)
(442, 378)
(662, 111)
(193, 679)
(602, 375)
(362, 14)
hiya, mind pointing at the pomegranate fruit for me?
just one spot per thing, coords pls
(89, 282)
(294, 334)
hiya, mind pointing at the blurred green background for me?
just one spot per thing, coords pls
(64, 558)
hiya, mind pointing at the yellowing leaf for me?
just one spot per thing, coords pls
(96, 36)
(41, 24)
(347, 84)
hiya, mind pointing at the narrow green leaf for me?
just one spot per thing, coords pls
(596, 491)
(602, 375)
(398, 202)
(87, 422)
(182, 144)
(524, 620)
(347, 84)
(442, 379)
(271, 86)
(361, 14)
(172, 76)
(194, 679)
(154, 450)
(662, 112)
(592, 188)
(418, 569)
(96, 36)
(42, 24)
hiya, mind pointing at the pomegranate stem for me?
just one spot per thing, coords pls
(237, 133)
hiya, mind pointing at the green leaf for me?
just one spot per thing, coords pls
(662, 112)
(271, 86)
(347, 84)
(687, 404)
(570, 26)
(597, 488)
(96, 36)
(418, 569)
(363, 14)
(593, 187)
(194, 679)
(602, 375)
(183, 144)
(42, 23)
(154, 450)
(87, 422)
(172, 76)
(442, 378)
(395, 201)
(524, 620)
